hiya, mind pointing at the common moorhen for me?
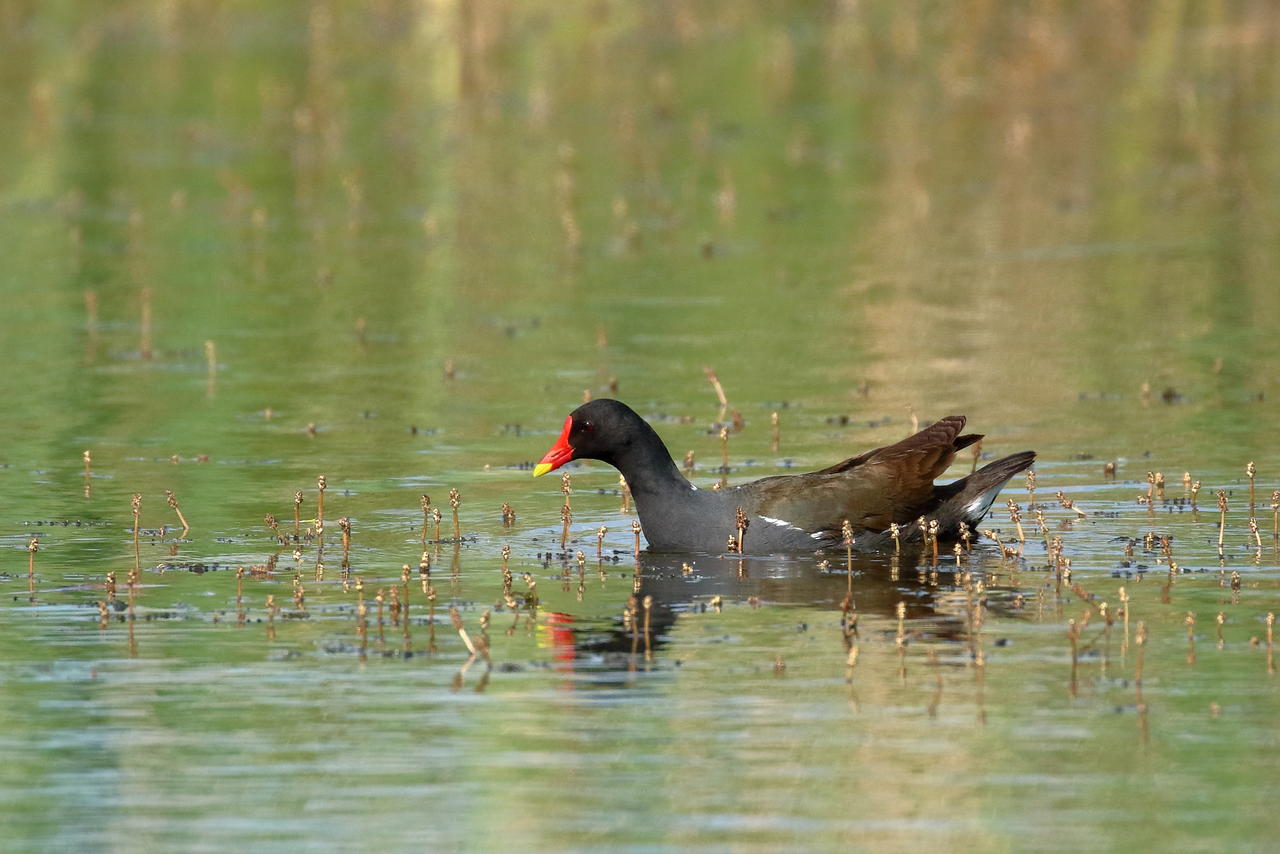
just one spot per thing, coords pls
(787, 513)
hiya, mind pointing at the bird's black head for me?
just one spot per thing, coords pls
(599, 430)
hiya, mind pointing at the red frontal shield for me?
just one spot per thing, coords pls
(561, 452)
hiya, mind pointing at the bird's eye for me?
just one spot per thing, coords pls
(588, 427)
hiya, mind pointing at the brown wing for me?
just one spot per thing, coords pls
(889, 484)
(940, 436)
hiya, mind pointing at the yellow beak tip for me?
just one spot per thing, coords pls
(540, 469)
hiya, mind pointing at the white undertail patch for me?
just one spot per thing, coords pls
(978, 507)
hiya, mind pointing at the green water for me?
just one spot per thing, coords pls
(856, 213)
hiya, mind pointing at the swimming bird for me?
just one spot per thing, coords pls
(788, 513)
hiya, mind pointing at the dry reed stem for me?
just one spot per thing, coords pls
(1015, 516)
(1124, 607)
(173, 503)
(1271, 621)
(1043, 526)
(134, 578)
(994, 535)
(1222, 520)
(1251, 471)
(455, 501)
(1068, 504)
(715, 384)
(136, 509)
(33, 546)
(846, 534)
(273, 526)
(344, 525)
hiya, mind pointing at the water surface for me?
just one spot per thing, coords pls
(246, 247)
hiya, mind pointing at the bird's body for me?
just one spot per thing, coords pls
(788, 513)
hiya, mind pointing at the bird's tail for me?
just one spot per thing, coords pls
(967, 500)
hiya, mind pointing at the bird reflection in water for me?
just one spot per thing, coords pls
(903, 597)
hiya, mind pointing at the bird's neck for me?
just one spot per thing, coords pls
(647, 465)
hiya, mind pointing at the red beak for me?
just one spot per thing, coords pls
(561, 452)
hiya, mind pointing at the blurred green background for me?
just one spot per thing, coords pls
(394, 243)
